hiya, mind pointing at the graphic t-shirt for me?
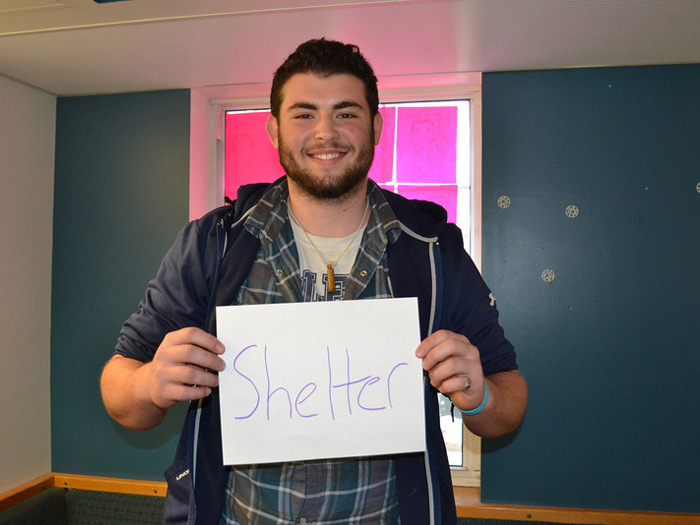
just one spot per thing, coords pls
(314, 269)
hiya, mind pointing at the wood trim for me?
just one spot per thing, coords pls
(121, 486)
(74, 481)
(467, 499)
(469, 506)
(25, 491)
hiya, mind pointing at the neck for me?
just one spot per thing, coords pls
(329, 218)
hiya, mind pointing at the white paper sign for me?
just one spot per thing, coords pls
(320, 380)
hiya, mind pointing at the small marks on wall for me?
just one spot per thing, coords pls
(504, 202)
(571, 212)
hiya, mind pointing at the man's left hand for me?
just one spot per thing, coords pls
(454, 367)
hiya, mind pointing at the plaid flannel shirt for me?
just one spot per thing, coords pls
(360, 490)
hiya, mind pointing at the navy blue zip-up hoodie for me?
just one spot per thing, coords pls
(206, 266)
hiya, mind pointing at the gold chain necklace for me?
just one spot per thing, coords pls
(330, 264)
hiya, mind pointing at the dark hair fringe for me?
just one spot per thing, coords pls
(325, 58)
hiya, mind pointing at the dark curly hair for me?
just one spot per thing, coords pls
(325, 58)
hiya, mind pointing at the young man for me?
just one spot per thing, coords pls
(324, 232)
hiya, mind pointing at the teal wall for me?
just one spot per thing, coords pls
(610, 347)
(121, 194)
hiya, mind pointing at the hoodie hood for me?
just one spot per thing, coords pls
(424, 218)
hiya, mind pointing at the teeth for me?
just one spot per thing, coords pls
(328, 156)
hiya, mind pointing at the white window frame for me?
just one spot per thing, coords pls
(207, 170)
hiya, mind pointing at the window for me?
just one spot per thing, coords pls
(426, 152)
(417, 156)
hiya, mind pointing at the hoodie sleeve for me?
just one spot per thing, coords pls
(177, 297)
(470, 306)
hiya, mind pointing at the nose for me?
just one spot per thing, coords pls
(325, 128)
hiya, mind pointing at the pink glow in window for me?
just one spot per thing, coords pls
(383, 165)
(422, 138)
(250, 156)
(446, 196)
(427, 140)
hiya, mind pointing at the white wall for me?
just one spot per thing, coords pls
(27, 143)
(202, 192)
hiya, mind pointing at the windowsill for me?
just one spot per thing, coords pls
(466, 498)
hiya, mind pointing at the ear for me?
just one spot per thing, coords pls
(378, 125)
(272, 127)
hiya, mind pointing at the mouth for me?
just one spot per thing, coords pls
(327, 155)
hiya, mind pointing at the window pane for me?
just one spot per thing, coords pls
(446, 196)
(250, 156)
(451, 427)
(427, 140)
(383, 166)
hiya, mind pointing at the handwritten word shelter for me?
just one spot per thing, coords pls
(338, 391)
(320, 380)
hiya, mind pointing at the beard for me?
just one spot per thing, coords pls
(329, 187)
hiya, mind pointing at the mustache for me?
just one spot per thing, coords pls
(331, 144)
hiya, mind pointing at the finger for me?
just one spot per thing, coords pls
(438, 339)
(178, 382)
(191, 346)
(450, 349)
(471, 398)
(451, 385)
(196, 337)
(446, 370)
(433, 340)
(189, 375)
(197, 357)
(174, 393)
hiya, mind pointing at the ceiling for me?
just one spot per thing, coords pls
(72, 47)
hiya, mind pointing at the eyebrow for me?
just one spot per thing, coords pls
(340, 105)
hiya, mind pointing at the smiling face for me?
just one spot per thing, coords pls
(325, 135)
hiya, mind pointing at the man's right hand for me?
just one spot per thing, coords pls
(184, 367)
(137, 395)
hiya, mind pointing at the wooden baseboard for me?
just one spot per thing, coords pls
(467, 499)
(25, 491)
(121, 486)
(73, 481)
(469, 506)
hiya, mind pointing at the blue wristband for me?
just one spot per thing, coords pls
(478, 409)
